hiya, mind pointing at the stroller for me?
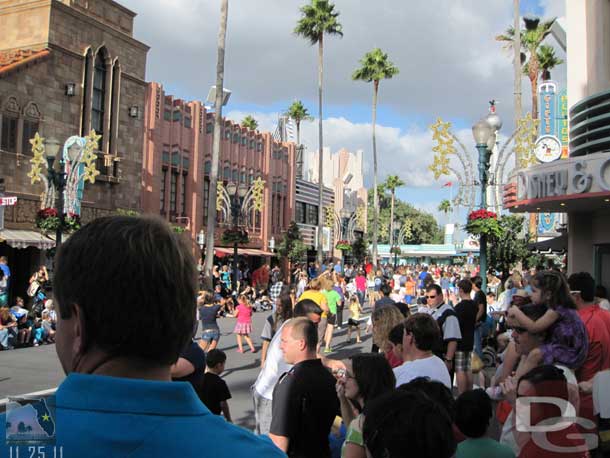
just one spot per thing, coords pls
(39, 300)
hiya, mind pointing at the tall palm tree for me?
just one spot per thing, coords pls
(391, 183)
(531, 39)
(375, 66)
(211, 203)
(548, 61)
(298, 113)
(249, 122)
(444, 206)
(319, 18)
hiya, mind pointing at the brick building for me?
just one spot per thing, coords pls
(177, 163)
(66, 67)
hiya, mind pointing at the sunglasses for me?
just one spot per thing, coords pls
(430, 297)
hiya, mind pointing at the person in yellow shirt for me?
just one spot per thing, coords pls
(314, 293)
(355, 310)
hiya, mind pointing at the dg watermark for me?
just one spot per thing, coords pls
(524, 407)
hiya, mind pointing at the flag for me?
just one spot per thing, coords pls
(447, 185)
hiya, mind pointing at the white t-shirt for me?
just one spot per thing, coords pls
(275, 366)
(432, 367)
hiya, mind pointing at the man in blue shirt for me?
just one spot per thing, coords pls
(5, 268)
(125, 289)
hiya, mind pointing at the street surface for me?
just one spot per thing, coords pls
(35, 369)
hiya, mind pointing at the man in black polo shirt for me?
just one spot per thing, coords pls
(305, 401)
(466, 312)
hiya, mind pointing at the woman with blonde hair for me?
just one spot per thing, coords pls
(384, 319)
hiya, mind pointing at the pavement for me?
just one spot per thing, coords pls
(34, 369)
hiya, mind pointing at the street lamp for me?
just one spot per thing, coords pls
(485, 138)
(272, 243)
(58, 179)
(201, 241)
(236, 194)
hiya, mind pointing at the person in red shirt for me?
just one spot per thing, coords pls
(597, 323)
(260, 277)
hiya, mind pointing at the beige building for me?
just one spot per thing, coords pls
(579, 185)
(66, 67)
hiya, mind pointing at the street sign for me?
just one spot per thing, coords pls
(8, 201)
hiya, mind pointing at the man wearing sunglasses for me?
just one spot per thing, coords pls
(447, 321)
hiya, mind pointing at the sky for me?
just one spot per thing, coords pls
(450, 66)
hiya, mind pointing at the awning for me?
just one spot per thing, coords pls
(224, 251)
(554, 245)
(17, 238)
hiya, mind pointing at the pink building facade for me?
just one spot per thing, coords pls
(178, 159)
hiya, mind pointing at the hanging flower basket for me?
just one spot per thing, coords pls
(483, 222)
(47, 220)
(395, 250)
(343, 245)
(232, 236)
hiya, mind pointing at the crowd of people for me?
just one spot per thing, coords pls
(453, 370)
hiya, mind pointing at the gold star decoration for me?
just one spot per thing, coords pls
(219, 195)
(257, 193)
(329, 216)
(525, 141)
(444, 146)
(89, 156)
(38, 160)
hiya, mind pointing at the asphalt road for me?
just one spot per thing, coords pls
(34, 369)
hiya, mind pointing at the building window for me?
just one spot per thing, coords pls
(172, 192)
(251, 178)
(252, 143)
(300, 212)
(236, 138)
(30, 127)
(228, 134)
(226, 173)
(99, 94)
(9, 133)
(207, 167)
(176, 159)
(186, 162)
(244, 141)
(167, 115)
(183, 194)
(312, 215)
(242, 177)
(162, 190)
(165, 157)
(187, 122)
(177, 116)
(206, 197)
(259, 147)
(235, 177)
(209, 128)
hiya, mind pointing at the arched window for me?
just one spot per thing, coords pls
(226, 174)
(207, 167)
(235, 177)
(99, 94)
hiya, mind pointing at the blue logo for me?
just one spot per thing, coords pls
(30, 420)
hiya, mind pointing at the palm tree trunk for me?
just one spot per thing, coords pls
(392, 219)
(534, 82)
(375, 194)
(517, 60)
(299, 161)
(319, 256)
(211, 203)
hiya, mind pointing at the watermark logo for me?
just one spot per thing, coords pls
(540, 431)
(30, 421)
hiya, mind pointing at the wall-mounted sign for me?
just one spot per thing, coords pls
(571, 176)
(562, 128)
(547, 95)
(548, 148)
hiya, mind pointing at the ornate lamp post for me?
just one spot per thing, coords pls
(201, 241)
(485, 139)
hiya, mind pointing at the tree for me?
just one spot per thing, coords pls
(511, 247)
(531, 39)
(292, 246)
(548, 61)
(391, 183)
(359, 249)
(375, 66)
(424, 227)
(299, 113)
(250, 123)
(444, 206)
(220, 73)
(319, 18)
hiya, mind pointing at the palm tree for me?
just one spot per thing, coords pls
(375, 66)
(319, 18)
(531, 39)
(444, 206)
(211, 203)
(299, 113)
(548, 61)
(391, 183)
(250, 123)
